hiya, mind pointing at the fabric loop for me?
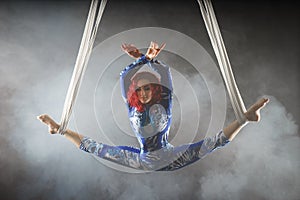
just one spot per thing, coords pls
(222, 58)
(86, 46)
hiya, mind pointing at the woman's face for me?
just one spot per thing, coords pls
(144, 91)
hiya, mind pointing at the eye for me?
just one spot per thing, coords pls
(138, 89)
(147, 88)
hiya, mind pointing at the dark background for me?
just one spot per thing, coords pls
(39, 41)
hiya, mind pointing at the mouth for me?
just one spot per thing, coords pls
(144, 99)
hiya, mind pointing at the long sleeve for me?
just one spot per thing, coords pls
(166, 82)
(128, 73)
(164, 71)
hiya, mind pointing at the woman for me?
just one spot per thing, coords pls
(147, 90)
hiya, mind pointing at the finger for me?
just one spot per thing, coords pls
(152, 44)
(162, 46)
(160, 49)
(128, 45)
(124, 46)
(149, 48)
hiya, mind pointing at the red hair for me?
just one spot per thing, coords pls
(155, 87)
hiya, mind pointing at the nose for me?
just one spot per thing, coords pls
(143, 92)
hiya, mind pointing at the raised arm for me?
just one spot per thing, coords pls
(141, 60)
(161, 68)
(128, 73)
(164, 71)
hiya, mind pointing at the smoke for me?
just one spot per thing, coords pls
(265, 161)
(261, 163)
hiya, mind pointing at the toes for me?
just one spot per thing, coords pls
(260, 103)
(46, 119)
(263, 102)
(42, 117)
(266, 100)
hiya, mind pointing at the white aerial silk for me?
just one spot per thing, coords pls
(86, 46)
(223, 60)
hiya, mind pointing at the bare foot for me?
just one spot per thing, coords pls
(253, 113)
(52, 125)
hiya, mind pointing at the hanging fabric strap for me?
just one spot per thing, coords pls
(223, 60)
(86, 46)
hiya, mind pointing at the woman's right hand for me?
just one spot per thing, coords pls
(131, 50)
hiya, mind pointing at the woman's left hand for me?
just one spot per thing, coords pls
(154, 50)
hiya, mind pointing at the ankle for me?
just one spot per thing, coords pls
(243, 120)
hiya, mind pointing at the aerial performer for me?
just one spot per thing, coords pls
(146, 87)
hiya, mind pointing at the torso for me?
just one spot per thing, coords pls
(151, 126)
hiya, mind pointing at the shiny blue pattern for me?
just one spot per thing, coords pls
(151, 126)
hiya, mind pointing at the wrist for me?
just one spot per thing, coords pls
(137, 56)
(142, 60)
(148, 57)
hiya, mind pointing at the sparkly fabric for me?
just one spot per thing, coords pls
(151, 126)
(152, 129)
(168, 158)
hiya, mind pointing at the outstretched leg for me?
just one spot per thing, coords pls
(187, 154)
(123, 155)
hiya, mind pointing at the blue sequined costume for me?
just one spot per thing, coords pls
(152, 128)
